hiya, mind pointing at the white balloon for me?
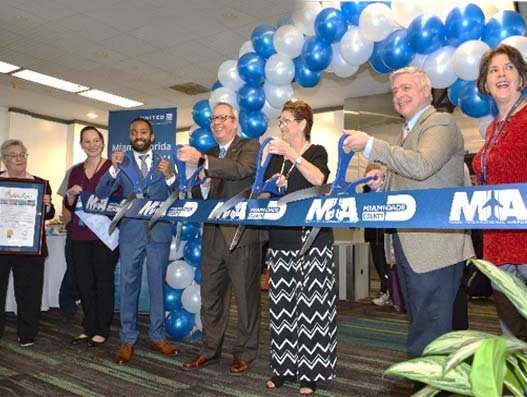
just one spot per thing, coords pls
(179, 274)
(228, 75)
(484, 123)
(404, 11)
(376, 22)
(245, 48)
(191, 298)
(489, 9)
(438, 66)
(419, 60)
(176, 253)
(223, 94)
(279, 69)
(466, 59)
(331, 4)
(518, 42)
(277, 95)
(354, 48)
(304, 16)
(339, 66)
(271, 112)
(197, 320)
(288, 41)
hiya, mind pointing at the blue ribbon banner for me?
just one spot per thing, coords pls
(480, 207)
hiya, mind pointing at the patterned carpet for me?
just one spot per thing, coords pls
(370, 339)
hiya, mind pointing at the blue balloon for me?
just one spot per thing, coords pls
(426, 33)
(215, 85)
(192, 253)
(502, 25)
(471, 102)
(376, 60)
(454, 89)
(190, 231)
(330, 25)
(262, 39)
(179, 323)
(202, 139)
(352, 10)
(253, 124)
(197, 275)
(305, 77)
(396, 50)
(201, 113)
(463, 24)
(251, 97)
(172, 298)
(317, 54)
(251, 68)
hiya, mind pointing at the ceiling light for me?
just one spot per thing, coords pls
(111, 98)
(92, 115)
(7, 67)
(49, 81)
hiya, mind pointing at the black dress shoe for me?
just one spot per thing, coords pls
(79, 339)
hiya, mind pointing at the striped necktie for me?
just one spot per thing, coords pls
(406, 131)
(223, 152)
(143, 165)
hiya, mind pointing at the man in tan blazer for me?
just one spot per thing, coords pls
(231, 167)
(430, 155)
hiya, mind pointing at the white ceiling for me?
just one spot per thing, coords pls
(139, 48)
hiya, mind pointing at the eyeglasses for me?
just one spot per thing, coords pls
(18, 156)
(221, 118)
(286, 122)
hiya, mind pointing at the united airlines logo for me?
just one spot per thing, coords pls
(333, 210)
(489, 207)
(398, 208)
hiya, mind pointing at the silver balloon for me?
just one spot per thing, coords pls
(376, 22)
(228, 75)
(404, 11)
(191, 298)
(176, 253)
(245, 48)
(354, 48)
(271, 112)
(466, 59)
(197, 320)
(339, 66)
(419, 60)
(304, 16)
(518, 42)
(223, 94)
(179, 274)
(277, 95)
(288, 41)
(484, 123)
(438, 66)
(279, 69)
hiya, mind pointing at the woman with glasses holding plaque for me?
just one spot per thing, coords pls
(93, 261)
(28, 270)
(503, 75)
(302, 288)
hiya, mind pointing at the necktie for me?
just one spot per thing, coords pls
(143, 165)
(223, 152)
(406, 131)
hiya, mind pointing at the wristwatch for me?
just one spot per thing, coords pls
(298, 160)
(201, 160)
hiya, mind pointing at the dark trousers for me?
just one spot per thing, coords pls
(379, 260)
(28, 275)
(95, 267)
(69, 293)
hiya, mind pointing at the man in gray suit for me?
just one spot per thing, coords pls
(231, 167)
(430, 155)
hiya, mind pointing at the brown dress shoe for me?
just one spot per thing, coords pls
(163, 347)
(124, 354)
(199, 362)
(238, 367)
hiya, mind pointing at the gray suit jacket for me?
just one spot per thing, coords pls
(431, 157)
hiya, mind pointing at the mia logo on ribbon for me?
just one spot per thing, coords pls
(333, 210)
(488, 206)
(398, 208)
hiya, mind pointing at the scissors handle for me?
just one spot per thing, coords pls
(261, 168)
(185, 183)
(339, 184)
(270, 187)
(351, 186)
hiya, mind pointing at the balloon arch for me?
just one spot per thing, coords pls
(446, 42)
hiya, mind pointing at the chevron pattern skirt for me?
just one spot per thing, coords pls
(303, 315)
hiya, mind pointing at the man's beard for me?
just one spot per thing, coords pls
(140, 146)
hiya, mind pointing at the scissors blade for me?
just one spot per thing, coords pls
(230, 203)
(122, 212)
(178, 235)
(309, 240)
(304, 194)
(163, 208)
(237, 236)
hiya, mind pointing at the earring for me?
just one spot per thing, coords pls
(520, 87)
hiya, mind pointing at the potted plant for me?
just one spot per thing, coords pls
(473, 363)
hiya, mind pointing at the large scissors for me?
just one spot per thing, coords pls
(129, 168)
(339, 186)
(184, 184)
(259, 186)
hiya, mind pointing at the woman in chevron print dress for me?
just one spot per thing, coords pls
(302, 289)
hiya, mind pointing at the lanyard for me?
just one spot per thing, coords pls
(497, 130)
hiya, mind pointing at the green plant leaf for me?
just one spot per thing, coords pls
(453, 341)
(489, 368)
(465, 351)
(429, 370)
(427, 391)
(514, 378)
(510, 285)
(520, 370)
